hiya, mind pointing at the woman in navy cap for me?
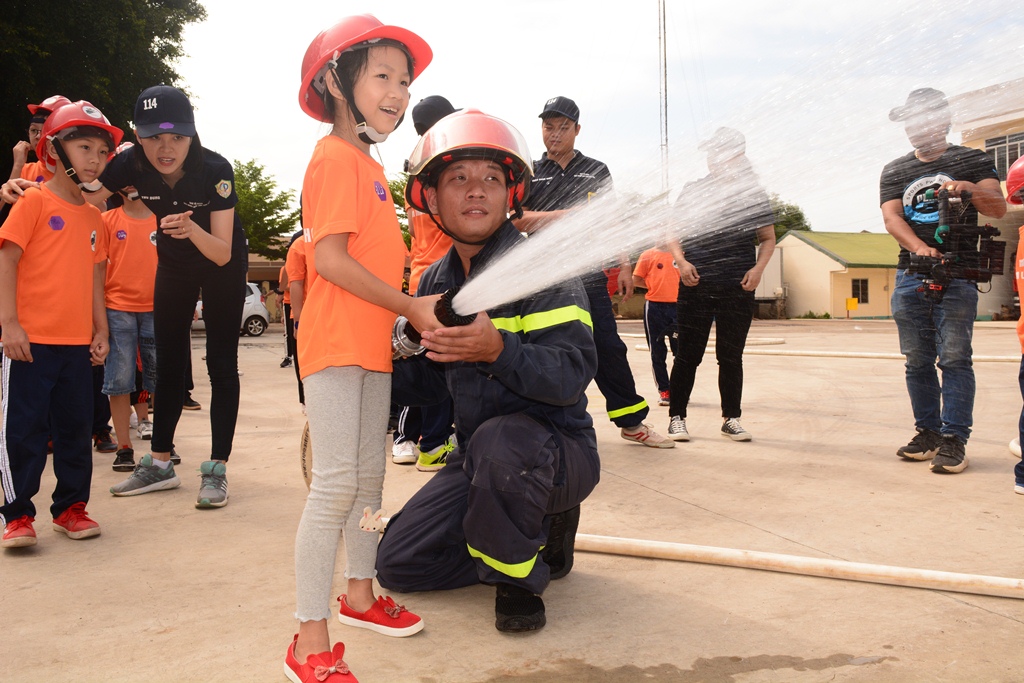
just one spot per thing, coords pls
(200, 247)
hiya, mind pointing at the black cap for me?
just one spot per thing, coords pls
(429, 111)
(163, 109)
(920, 101)
(561, 106)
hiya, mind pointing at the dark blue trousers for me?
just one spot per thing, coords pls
(51, 396)
(428, 426)
(1018, 469)
(625, 407)
(483, 518)
(660, 322)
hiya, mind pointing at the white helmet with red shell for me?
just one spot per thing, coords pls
(1015, 182)
(361, 31)
(469, 134)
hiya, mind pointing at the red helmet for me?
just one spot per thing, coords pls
(469, 134)
(1015, 182)
(360, 31)
(50, 104)
(67, 119)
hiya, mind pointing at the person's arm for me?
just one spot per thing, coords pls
(298, 293)
(765, 247)
(687, 271)
(895, 225)
(20, 152)
(625, 284)
(214, 245)
(986, 195)
(12, 190)
(100, 346)
(334, 263)
(16, 344)
(639, 282)
(535, 220)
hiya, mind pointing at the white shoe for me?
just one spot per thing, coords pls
(145, 430)
(133, 420)
(643, 434)
(404, 453)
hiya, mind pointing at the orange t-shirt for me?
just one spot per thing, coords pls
(428, 245)
(61, 244)
(295, 264)
(345, 192)
(131, 270)
(36, 172)
(282, 284)
(658, 271)
(1019, 273)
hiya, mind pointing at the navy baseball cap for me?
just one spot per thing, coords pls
(561, 106)
(163, 109)
(429, 111)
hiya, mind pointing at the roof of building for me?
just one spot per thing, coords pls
(853, 249)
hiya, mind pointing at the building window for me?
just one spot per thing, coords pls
(1004, 151)
(860, 291)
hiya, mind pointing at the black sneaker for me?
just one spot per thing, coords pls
(517, 610)
(951, 457)
(558, 551)
(124, 461)
(287, 362)
(190, 403)
(175, 458)
(923, 446)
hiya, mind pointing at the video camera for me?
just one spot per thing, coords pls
(971, 252)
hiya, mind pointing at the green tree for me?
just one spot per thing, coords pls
(397, 187)
(267, 214)
(105, 52)
(787, 216)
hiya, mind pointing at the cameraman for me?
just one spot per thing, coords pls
(931, 328)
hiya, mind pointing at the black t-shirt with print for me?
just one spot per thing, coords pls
(212, 189)
(908, 179)
(554, 188)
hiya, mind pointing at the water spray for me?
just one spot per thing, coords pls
(405, 339)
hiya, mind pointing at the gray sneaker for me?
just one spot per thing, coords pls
(145, 430)
(213, 491)
(147, 477)
(951, 457)
(677, 429)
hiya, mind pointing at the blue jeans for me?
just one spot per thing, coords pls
(930, 330)
(131, 334)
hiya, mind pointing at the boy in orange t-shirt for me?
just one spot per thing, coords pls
(131, 277)
(656, 270)
(53, 255)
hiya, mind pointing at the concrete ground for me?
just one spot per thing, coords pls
(171, 593)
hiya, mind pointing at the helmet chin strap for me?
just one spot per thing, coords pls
(423, 200)
(90, 187)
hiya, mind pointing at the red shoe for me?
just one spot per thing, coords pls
(663, 398)
(385, 617)
(19, 533)
(76, 523)
(326, 667)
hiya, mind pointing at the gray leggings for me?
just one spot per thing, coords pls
(347, 409)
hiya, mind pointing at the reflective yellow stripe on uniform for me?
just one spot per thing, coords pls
(516, 571)
(612, 414)
(543, 319)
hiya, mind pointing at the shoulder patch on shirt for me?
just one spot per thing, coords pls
(92, 240)
(121, 235)
(224, 188)
(382, 194)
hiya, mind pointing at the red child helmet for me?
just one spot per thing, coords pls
(1015, 182)
(66, 121)
(469, 134)
(361, 31)
(50, 104)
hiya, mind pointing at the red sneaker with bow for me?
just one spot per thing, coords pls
(385, 617)
(326, 667)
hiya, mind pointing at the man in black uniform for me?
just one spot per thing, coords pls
(563, 180)
(943, 415)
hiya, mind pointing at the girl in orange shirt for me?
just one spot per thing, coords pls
(356, 77)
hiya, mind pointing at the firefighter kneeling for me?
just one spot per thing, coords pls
(505, 508)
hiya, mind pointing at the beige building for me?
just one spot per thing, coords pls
(821, 271)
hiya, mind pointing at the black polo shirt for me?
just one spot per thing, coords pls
(211, 190)
(554, 188)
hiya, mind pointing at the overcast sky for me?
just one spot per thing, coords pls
(809, 83)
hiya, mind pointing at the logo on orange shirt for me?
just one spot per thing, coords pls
(152, 238)
(122, 235)
(379, 189)
(56, 223)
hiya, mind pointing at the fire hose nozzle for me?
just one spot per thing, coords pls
(405, 339)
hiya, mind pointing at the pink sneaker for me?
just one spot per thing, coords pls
(385, 617)
(326, 667)
(76, 523)
(19, 533)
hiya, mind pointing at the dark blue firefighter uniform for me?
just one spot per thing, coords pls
(554, 188)
(527, 447)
